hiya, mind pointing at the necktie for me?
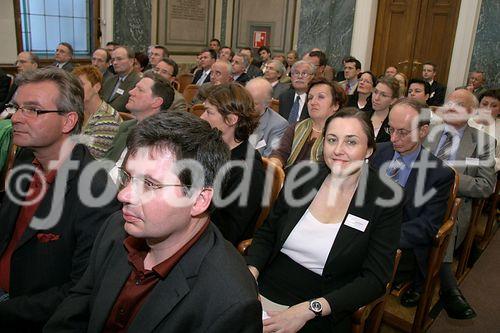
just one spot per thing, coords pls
(444, 152)
(347, 87)
(202, 78)
(294, 112)
(394, 168)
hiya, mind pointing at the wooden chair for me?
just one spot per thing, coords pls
(126, 116)
(275, 105)
(9, 163)
(492, 217)
(197, 109)
(416, 320)
(367, 319)
(477, 207)
(184, 80)
(190, 92)
(275, 177)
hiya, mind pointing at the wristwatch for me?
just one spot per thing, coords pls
(316, 307)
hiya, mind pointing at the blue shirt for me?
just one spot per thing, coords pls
(408, 160)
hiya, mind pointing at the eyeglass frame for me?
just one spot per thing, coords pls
(28, 112)
(149, 187)
(398, 132)
(301, 74)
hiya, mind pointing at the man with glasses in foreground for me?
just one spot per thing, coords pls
(419, 172)
(56, 200)
(160, 264)
(293, 102)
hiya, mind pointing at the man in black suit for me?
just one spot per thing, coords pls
(115, 90)
(252, 70)
(239, 64)
(161, 265)
(63, 56)
(207, 58)
(293, 103)
(54, 204)
(438, 91)
(419, 172)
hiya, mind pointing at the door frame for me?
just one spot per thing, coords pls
(468, 17)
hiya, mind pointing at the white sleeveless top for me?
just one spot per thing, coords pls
(310, 242)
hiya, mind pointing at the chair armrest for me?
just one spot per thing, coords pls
(242, 247)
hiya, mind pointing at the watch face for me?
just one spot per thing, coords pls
(316, 306)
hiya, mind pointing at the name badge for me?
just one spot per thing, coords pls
(262, 143)
(472, 161)
(356, 222)
(120, 91)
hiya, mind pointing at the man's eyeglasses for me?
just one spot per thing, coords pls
(27, 111)
(124, 178)
(399, 132)
(301, 74)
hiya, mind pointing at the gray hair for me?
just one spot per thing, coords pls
(70, 97)
(245, 57)
(279, 67)
(312, 68)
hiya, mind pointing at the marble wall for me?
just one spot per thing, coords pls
(132, 23)
(327, 24)
(486, 52)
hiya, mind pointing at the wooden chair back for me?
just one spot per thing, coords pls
(126, 116)
(190, 92)
(275, 105)
(416, 320)
(197, 109)
(275, 177)
(184, 80)
(477, 207)
(368, 318)
(492, 216)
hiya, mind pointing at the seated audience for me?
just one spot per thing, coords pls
(225, 53)
(267, 135)
(47, 226)
(230, 109)
(252, 70)
(352, 68)
(318, 59)
(100, 120)
(264, 53)
(405, 161)
(159, 265)
(274, 71)
(471, 153)
(293, 102)
(115, 90)
(391, 71)
(207, 58)
(168, 69)
(141, 63)
(221, 72)
(303, 141)
(101, 59)
(157, 54)
(488, 119)
(419, 89)
(384, 95)
(403, 84)
(324, 258)
(239, 64)
(151, 95)
(291, 58)
(438, 91)
(63, 56)
(214, 44)
(362, 97)
(476, 83)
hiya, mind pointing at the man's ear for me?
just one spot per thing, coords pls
(202, 201)
(70, 121)
(157, 102)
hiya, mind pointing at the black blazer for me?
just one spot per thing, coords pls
(359, 264)
(197, 76)
(438, 92)
(286, 100)
(243, 79)
(43, 272)
(237, 222)
(382, 135)
(420, 222)
(352, 101)
(209, 290)
(254, 71)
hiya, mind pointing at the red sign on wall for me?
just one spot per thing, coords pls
(259, 38)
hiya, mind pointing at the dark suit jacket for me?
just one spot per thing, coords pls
(43, 272)
(120, 140)
(382, 135)
(7, 99)
(359, 263)
(237, 222)
(118, 101)
(286, 102)
(254, 71)
(68, 67)
(420, 222)
(4, 85)
(438, 92)
(243, 79)
(197, 76)
(279, 89)
(208, 290)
